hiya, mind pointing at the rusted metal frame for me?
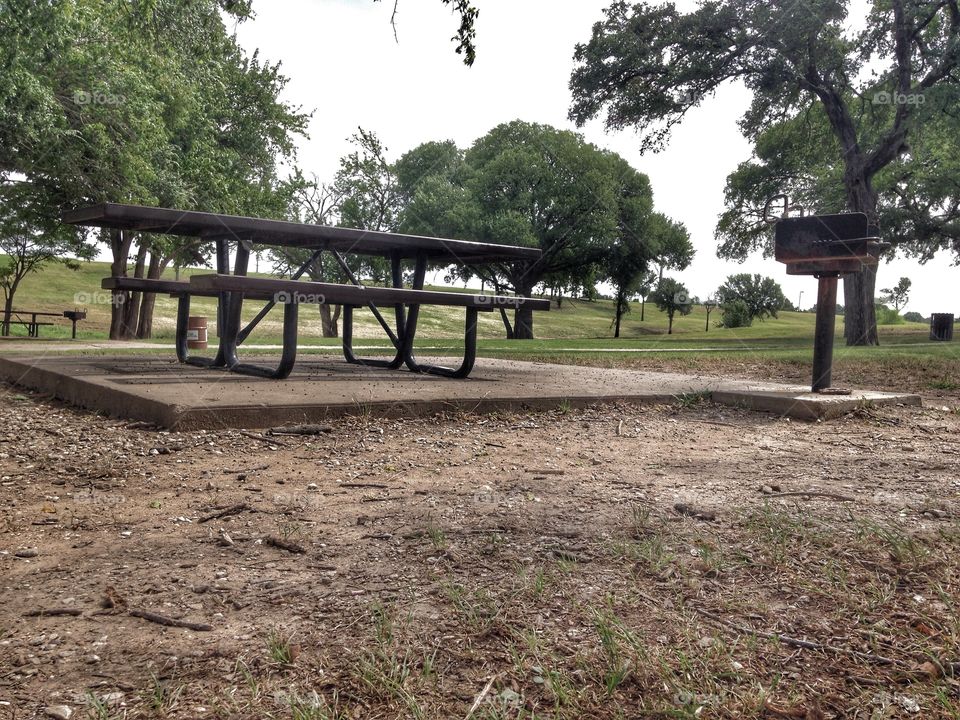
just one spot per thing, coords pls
(248, 328)
(413, 315)
(396, 272)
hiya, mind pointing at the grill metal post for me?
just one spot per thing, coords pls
(823, 335)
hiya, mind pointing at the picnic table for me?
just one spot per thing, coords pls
(244, 234)
(28, 319)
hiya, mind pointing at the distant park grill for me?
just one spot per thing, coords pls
(825, 246)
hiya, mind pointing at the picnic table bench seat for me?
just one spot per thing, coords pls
(291, 293)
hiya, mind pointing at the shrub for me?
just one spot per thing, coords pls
(887, 315)
(736, 313)
(914, 317)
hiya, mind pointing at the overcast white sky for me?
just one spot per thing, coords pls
(344, 65)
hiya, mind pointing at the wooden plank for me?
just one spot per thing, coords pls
(167, 287)
(359, 296)
(290, 234)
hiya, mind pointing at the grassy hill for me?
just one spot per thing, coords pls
(578, 322)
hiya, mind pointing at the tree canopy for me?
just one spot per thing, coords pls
(153, 103)
(672, 297)
(533, 185)
(762, 296)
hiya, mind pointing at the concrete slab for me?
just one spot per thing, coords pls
(805, 405)
(161, 391)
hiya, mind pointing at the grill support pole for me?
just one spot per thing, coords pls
(823, 335)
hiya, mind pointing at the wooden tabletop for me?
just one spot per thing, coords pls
(291, 234)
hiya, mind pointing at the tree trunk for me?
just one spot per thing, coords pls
(7, 312)
(643, 302)
(131, 309)
(859, 289)
(155, 269)
(523, 315)
(120, 247)
(669, 323)
(329, 320)
(620, 301)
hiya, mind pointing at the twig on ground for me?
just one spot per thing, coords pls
(284, 544)
(53, 612)
(261, 438)
(814, 493)
(169, 621)
(232, 510)
(480, 697)
(301, 430)
(796, 642)
(544, 471)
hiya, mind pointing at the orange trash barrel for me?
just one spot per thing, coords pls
(197, 332)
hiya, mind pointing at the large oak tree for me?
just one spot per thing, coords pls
(532, 185)
(647, 66)
(153, 103)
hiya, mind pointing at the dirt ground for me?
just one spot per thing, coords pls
(614, 562)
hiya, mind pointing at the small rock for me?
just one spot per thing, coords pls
(706, 642)
(60, 712)
(27, 552)
(908, 703)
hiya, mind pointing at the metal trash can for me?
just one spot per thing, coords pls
(941, 327)
(197, 332)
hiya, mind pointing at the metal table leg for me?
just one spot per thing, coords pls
(396, 271)
(231, 329)
(413, 315)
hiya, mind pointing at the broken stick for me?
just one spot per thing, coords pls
(53, 612)
(796, 642)
(284, 544)
(169, 621)
(232, 510)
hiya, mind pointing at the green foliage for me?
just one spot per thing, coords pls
(29, 239)
(762, 295)
(672, 297)
(151, 102)
(736, 314)
(532, 185)
(887, 315)
(863, 121)
(914, 317)
(898, 294)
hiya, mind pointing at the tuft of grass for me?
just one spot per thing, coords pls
(162, 697)
(280, 648)
(437, 537)
(691, 399)
(312, 706)
(905, 550)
